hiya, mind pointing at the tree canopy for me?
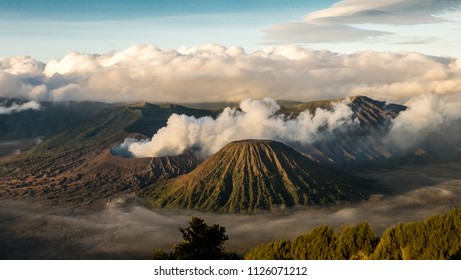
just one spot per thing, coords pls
(438, 237)
(200, 242)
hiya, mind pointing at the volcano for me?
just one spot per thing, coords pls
(253, 175)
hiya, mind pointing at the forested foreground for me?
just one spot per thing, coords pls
(438, 237)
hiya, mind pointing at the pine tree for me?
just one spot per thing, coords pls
(201, 241)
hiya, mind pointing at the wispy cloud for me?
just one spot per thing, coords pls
(342, 21)
(15, 108)
(305, 32)
(405, 12)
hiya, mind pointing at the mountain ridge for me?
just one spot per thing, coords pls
(77, 165)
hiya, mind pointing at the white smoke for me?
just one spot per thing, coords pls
(429, 119)
(257, 119)
(15, 108)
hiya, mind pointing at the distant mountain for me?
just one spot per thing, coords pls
(253, 175)
(76, 164)
(52, 117)
(153, 116)
(360, 145)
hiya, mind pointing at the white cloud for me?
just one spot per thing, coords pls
(305, 32)
(406, 12)
(15, 108)
(21, 65)
(216, 73)
(341, 22)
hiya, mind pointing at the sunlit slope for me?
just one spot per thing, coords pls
(251, 175)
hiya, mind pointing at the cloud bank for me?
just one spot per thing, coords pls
(15, 108)
(216, 73)
(258, 119)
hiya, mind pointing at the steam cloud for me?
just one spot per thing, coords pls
(14, 108)
(430, 121)
(258, 119)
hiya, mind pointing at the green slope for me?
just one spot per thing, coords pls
(252, 175)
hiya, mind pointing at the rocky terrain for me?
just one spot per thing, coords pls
(360, 145)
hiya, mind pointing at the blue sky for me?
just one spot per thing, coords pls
(119, 9)
(51, 28)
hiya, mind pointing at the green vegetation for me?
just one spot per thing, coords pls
(200, 242)
(438, 237)
(321, 243)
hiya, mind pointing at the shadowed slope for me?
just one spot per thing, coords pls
(252, 175)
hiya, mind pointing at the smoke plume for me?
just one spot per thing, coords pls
(431, 121)
(257, 119)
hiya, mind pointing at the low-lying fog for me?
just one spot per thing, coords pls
(122, 229)
(14, 147)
